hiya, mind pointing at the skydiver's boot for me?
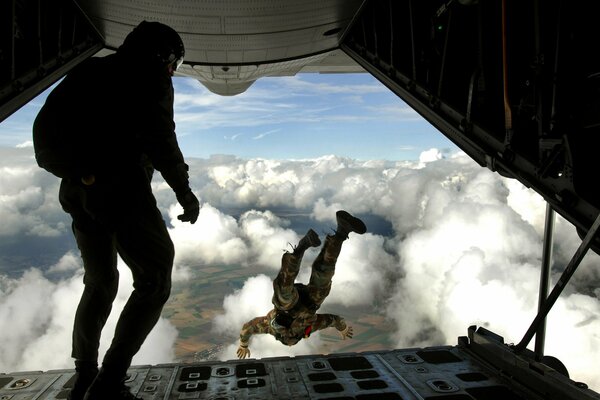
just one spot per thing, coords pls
(109, 385)
(85, 373)
(311, 239)
(347, 223)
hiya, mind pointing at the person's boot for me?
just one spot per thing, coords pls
(347, 223)
(109, 386)
(85, 373)
(311, 239)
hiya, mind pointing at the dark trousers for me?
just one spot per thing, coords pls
(140, 237)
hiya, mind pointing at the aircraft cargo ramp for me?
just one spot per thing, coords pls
(433, 373)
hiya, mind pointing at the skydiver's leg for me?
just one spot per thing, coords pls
(145, 246)
(143, 242)
(101, 281)
(323, 268)
(285, 294)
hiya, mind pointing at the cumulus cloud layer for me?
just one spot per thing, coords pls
(37, 319)
(464, 248)
(28, 197)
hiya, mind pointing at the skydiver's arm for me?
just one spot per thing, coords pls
(160, 140)
(160, 145)
(252, 327)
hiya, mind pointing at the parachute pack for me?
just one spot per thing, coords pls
(52, 144)
(59, 130)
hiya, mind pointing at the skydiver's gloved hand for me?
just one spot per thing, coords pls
(191, 206)
(243, 351)
(346, 333)
(178, 178)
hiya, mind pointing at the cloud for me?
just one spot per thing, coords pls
(68, 263)
(233, 137)
(267, 236)
(469, 258)
(28, 197)
(452, 244)
(430, 155)
(398, 112)
(361, 268)
(26, 144)
(257, 237)
(264, 134)
(466, 247)
(298, 85)
(23, 310)
(37, 319)
(214, 238)
(253, 300)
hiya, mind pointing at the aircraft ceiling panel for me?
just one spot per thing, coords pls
(233, 31)
(294, 18)
(279, 37)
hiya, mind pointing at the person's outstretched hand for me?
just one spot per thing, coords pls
(191, 207)
(243, 351)
(347, 333)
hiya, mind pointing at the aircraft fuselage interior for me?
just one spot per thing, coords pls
(514, 84)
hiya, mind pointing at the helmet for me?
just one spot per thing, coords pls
(154, 43)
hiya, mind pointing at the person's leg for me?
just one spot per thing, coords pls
(285, 294)
(101, 281)
(323, 268)
(145, 246)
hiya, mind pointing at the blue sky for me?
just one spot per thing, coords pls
(304, 116)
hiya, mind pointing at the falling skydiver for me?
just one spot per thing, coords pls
(294, 316)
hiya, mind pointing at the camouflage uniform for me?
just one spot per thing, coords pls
(294, 316)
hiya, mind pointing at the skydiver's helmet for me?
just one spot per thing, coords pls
(154, 44)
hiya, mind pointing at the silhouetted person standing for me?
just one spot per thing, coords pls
(294, 316)
(111, 124)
